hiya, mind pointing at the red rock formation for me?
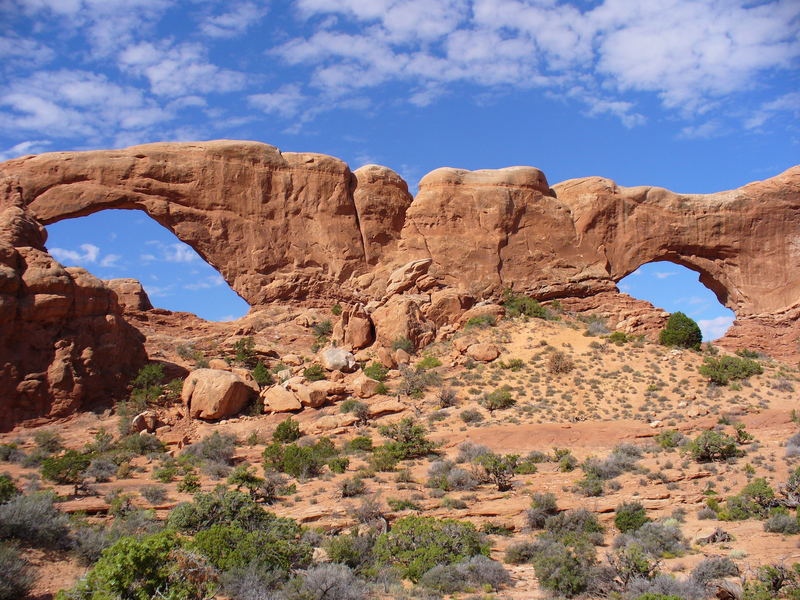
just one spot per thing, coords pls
(63, 343)
(282, 226)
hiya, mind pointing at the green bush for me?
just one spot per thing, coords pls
(429, 362)
(262, 375)
(142, 569)
(681, 331)
(229, 546)
(217, 447)
(314, 373)
(480, 322)
(630, 516)
(359, 443)
(376, 371)
(147, 385)
(7, 489)
(563, 569)
(415, 381)
(712, 445)
(48, 440)
(498, 399)
(499, 469)
(302, 462)
(66, 469)
(725, 369)
(669, 438)
(403, 343)
(286, 431)
(618, 338)
(517, 304)
(225, 507)
(542, 507)
(353, 550)
(415, 545)
(244, 351)
(408, 439)
(33, 519)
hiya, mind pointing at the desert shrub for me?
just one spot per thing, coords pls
(261, 375)
(665, 587)
(66, 469)
(782, 523)
(298, 461)
(595, 326)
(90, 540)
(275, 548)
(359, 443)
(141, 569)
(475, 572)
(147, 385)
(446, 398)
(715, 567)
(243, 476)
(403, 343)
(428, 362)
(352, 486)
(618, 338)
(251, 582)
(630, 516)
(622, 458)
(469, 452)
(376, 371)
(590, 485)
(559, 363)
(480, 322)
(574, 524)
(517, 304)
(326, 582)
(34, 519)
(445, 541)
(383, 459)
(542, 507)
(725, 369)
(712, 445)
(408, 439)
(414, 381)
(7, 488)
(444, 475)
(314, 373)
(154, 494)
(286, 431)
(471, 416)
(656, 539)
(244, 351)
(354, 550)
(48, 440)
(368, 511)
(669, 438)
(706, 513)
(520, 552)
(101, 469)
(16, 576)
(223, 506)
(500, 469)
(357, 408)
(498, 399)
(11, 453)
(142, 444)
(681, 331)
(562, 569)
(513, 364)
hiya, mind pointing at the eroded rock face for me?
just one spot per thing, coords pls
(213, 394)
(130, 294)
(282, 226)
(63, 342)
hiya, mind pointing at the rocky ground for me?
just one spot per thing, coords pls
(556, 384)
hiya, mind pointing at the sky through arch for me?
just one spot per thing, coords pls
(676, 288)
(128, 243)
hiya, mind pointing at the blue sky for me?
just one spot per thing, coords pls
(692, 95)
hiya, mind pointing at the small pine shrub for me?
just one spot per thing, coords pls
(314, 373)
(681, 331)
(16, 576)
(286, 431)
(725, 369)
(498, 399)
(712, 445)
(630, 516)
(403, 343)
(376, 371)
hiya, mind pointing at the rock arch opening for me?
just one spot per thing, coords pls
(675, 287)
(114, 243)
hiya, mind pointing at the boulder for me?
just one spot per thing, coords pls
(219, 364)
(278, 399)
(215, 394)
(317, 393)
(337, 359)
(401, 318)
(357, 327)
(130, 294)
(447, 306)
(401, 357)
(364, 387)
(484, 310)
(404, 278)
(145, 421)
(483, 352)
(329, 422)
(292, 360)
(386, 407)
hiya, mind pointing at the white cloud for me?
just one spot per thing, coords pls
(690, 54)
(789, 103)
(75, 103)
(24, 148)
(664, 274)
(110, 260)
(176, 252)
(88, 254)
(20, 52)
(206, 283)
(156, 291)
(715, 328)
(706, 130)
(177, 70)
(286, 101)
(233, 22)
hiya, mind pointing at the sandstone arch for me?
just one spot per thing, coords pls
(303, 226)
